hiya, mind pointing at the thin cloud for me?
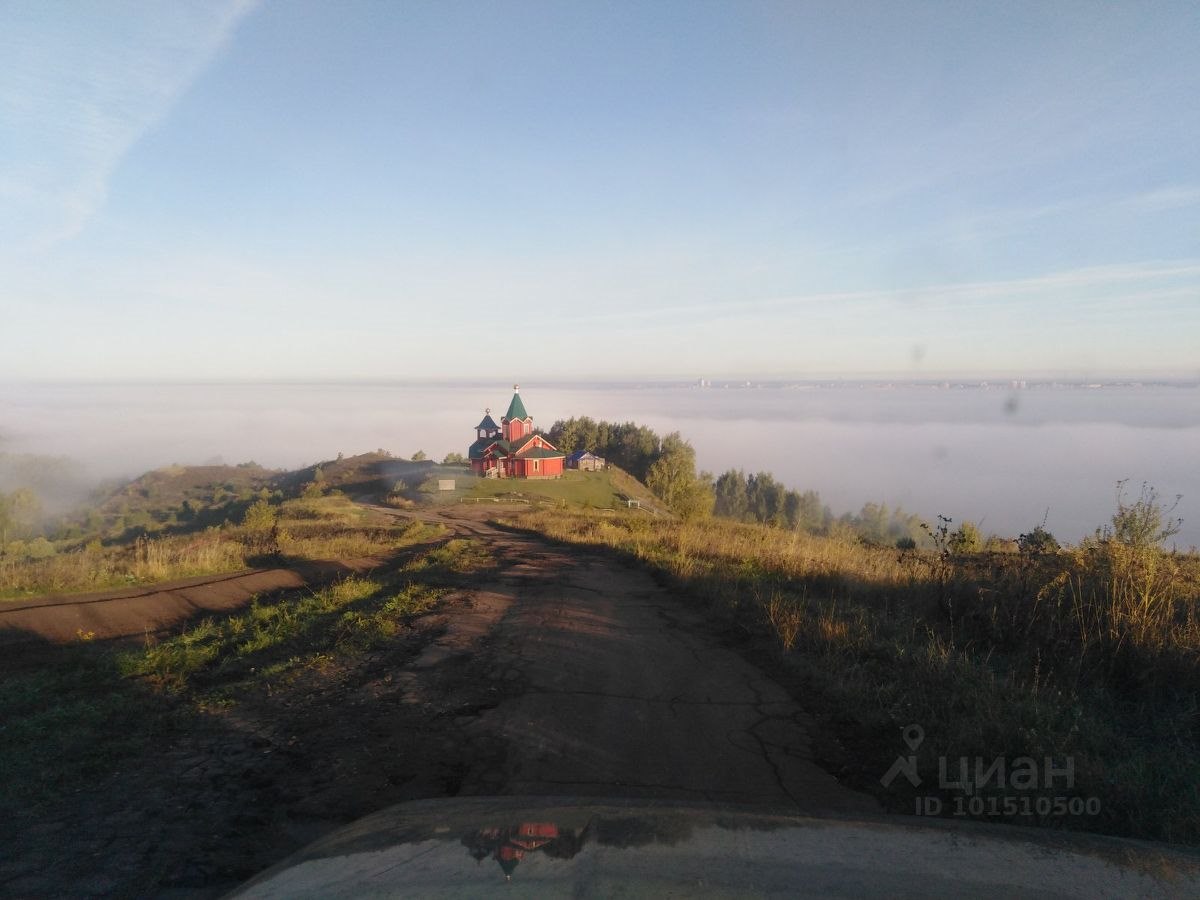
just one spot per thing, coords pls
(79, 86)
(1173, 197)
(1053, 284)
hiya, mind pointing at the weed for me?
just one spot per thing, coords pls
(1092, 653)
(325, 528)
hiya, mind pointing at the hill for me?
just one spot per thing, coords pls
(611, 488)
(196, 520)
(367, 474)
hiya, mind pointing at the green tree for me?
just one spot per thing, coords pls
(793, 505)
(635, 448)
(670, 476)
(454, 459)
(731, 501)
(673, 478)
(632, 447)
(697, 500)
(569, 435)
(904, 525)
(814, 515)
(765, 497)
(873, 522)
(419, 456)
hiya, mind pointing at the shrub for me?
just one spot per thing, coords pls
(966, 539)
(259, 522)
(39, 548)
(1144, 523)
(259, 517)
(1038, 541)
(997, 544)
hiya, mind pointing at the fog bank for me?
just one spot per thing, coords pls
(1002, 457)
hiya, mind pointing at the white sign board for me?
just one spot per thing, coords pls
(445, 484)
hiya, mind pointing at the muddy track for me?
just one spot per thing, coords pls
(166, 606)
(613, 687)
(158, 608)
(560, 671)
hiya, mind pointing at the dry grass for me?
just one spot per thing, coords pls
(312, 529)
(94, 567)
(1092, 654)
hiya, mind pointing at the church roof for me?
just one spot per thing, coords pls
(525, 440)
(516, 409)
(541, 453)
(488, 423)
(518, 446)
(476, 449)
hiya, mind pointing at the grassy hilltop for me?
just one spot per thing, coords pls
(182, 521)
(607, 489)
(1004, 649)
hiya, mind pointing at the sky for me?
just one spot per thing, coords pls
(292, 190)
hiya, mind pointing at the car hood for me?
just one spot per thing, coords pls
(465, 847)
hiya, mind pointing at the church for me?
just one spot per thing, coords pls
(513, 449)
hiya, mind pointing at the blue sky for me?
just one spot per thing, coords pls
(399, 190)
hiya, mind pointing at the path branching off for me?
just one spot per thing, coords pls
(554, 671)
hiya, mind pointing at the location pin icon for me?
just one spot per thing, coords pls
(913, 735)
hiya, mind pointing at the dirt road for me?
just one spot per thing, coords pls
(612, 687)
(136, 611)
(560, 672)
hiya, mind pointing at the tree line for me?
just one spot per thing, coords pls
(667, 464)
(635, 448)
(759, 497)
(668, 467)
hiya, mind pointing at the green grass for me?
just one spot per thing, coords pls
(277, 638)
(459, 556)
(70, 723)
(93, 708)
(607, 489)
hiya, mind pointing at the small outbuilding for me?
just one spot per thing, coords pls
(585, 461)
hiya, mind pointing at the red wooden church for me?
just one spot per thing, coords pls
(513, 449)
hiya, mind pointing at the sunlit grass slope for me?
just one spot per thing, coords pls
(306, 528)
(607, 489)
